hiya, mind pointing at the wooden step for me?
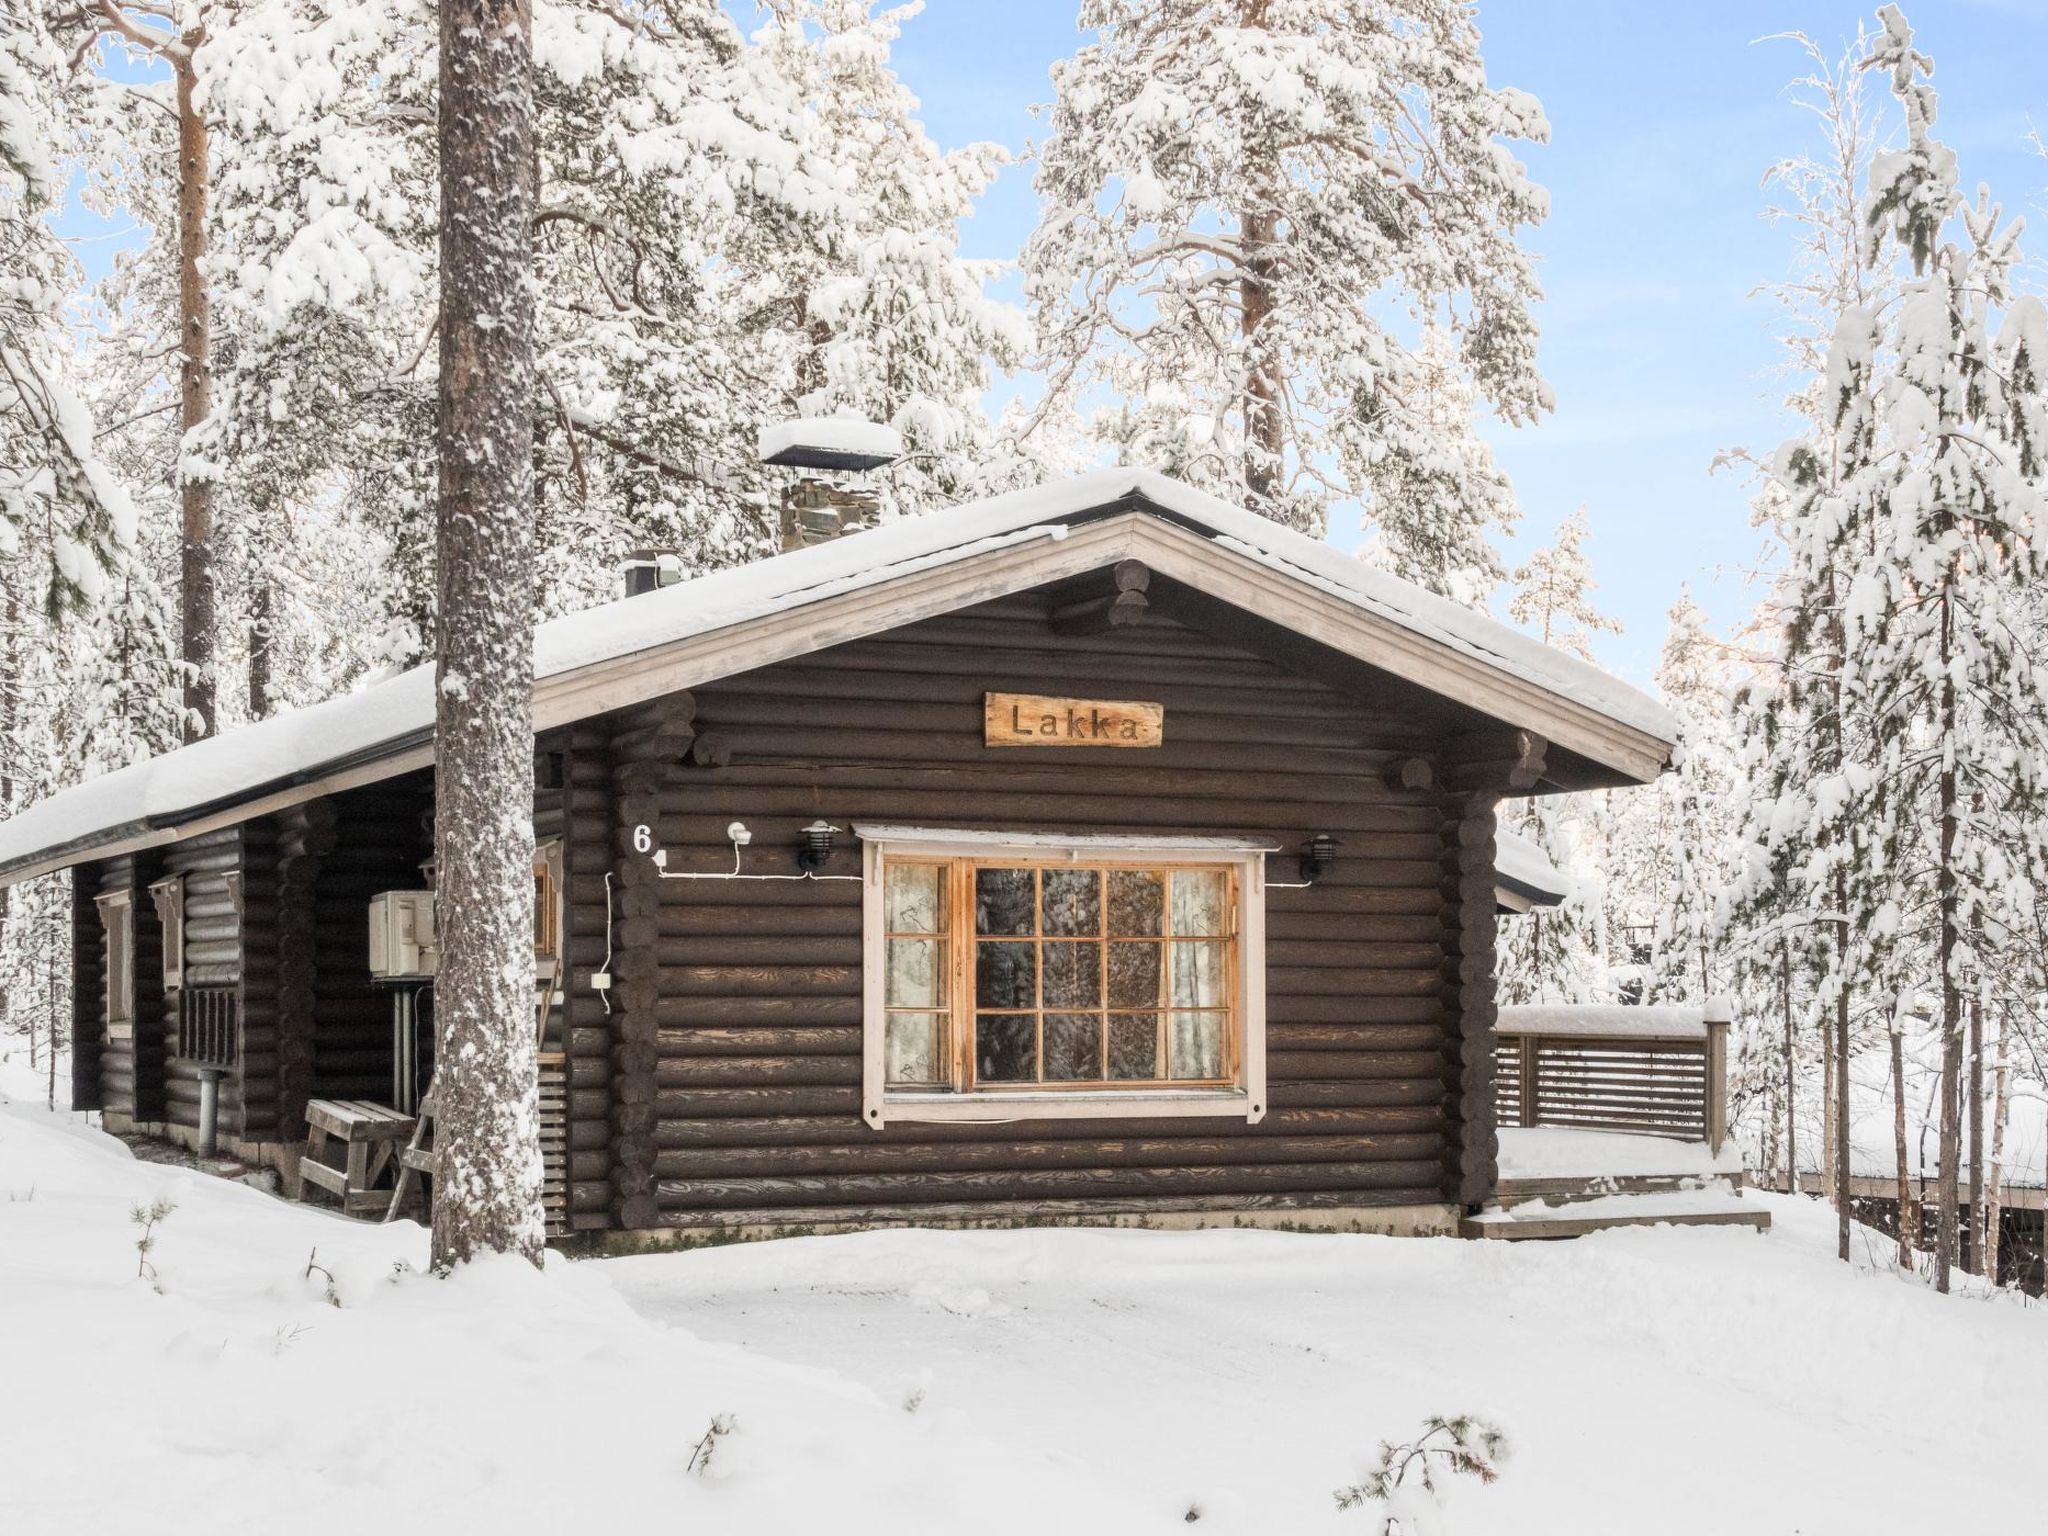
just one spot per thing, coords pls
(1569, 1187)
(1540, 1227)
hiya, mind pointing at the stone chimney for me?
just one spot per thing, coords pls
(821, 506)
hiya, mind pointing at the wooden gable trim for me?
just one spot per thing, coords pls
(1059, 553)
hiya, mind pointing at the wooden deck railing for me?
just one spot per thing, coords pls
(209, 1026)
(1646, 1071)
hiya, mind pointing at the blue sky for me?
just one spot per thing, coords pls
(1664, 116)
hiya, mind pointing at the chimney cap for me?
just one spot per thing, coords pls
(830, 442)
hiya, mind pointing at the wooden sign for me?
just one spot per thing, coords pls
(1032, 720)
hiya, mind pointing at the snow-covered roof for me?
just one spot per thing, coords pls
(396, 715)
(1521, 866)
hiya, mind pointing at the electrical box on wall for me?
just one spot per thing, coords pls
(402, 942)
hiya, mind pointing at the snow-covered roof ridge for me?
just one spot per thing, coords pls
(1611, 1021)
(396, 714)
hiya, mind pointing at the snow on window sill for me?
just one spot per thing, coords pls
(1109, 1104)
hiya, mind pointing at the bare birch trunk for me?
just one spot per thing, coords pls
(2001, 1086)
(197, 621)
(1974, 1120)
(1845, 1176)
(487, 1188)
(1909, 1209)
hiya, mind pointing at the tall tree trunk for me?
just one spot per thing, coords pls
(1825, 1162)
(1791, 1068)
(1265, 437)
(2001, 1086)
(1973, 1259)
(487, 1190)
(1909, 1208)
(10, 704)
(197, 619)
(1845, 1172)
(1951, 994)
(262, 637)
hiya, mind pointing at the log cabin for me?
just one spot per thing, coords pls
(1095, 853)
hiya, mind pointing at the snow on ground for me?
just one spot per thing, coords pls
(1082, 1381)
(1546, 1152)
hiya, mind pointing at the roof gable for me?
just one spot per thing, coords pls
(713, 626)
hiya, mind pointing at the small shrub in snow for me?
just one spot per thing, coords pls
(313, 1266)
(700, 1458)
(1446, 1446)
(148, 1217)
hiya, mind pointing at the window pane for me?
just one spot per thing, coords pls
(917, 973)
(1006, 1047)
(912, 898)
(1134, 976)
(1134, 1045)
(1006, 975)
(1199, 896)
(1073, 1047)
(1072, 901)
(1073, 975)
(1197, 1045)
(1198, 975)
(1137, 901)
(911, 1048)
(1002, 901)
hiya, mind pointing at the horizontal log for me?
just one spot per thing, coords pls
(786, 1040)
(878, 1156)
(827, 1130)
(1038, 1211)
(762, 1071)
(856, 1189)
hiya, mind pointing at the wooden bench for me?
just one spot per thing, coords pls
(370, 1136)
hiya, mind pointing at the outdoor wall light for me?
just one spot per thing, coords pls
(1318, 856)
(817, 846)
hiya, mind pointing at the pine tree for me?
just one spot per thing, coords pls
(63, 512)
(1436, 494)
(174, 167)
(884, 319)
(1560, 955)
(486, 1087)
(1803, 898)
(1236, 199)
(1942, 400)
(1554, 593)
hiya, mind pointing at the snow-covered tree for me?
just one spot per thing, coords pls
(1238, 201)
(62, 509)
(883, 318)
(1435, 497)
(487, 1093)
(1554, 593)
(1944, 652)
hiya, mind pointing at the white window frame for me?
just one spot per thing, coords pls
(117, 922)
(1245, 1098)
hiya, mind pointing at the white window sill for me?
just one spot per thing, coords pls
(1006, 1108)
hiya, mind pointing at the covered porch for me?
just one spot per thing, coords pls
(1613, 1116)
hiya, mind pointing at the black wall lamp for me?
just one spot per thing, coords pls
(817, 846)
(1318, 857)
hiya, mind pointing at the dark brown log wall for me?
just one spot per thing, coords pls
(735, 1045)
(379, 838)
(88, 992)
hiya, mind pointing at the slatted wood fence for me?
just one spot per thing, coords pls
(1640, 1071)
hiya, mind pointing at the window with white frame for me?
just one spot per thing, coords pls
(1018, 976)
